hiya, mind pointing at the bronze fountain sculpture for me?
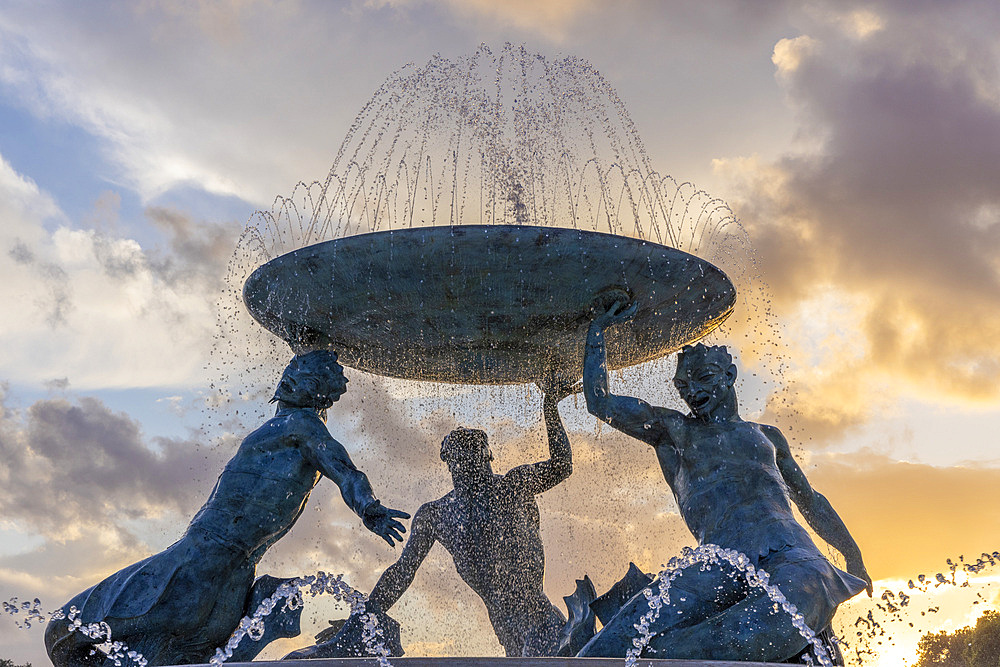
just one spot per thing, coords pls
(498, 283)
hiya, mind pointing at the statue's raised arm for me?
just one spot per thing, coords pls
(632, 416)
(535, 478)
(489, 523)
(732, 480)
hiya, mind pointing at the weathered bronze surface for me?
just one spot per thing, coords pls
(490, 304)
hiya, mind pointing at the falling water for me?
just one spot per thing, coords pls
(115, 651)
(321, 583)
(492, 138)
(506, 137)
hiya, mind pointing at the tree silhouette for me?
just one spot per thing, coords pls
(4, 662)
(977, 646)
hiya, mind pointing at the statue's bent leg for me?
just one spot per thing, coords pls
(695, 595)
(756, 628)
(749, 630)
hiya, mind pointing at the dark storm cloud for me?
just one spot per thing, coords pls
(75, 466)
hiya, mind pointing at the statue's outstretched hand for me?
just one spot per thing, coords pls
(856, 567)
(620, 311)
(382, 521)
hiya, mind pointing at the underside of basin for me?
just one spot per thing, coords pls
(485, 304)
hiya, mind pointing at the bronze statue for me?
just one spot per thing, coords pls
(732, 480)
(178, 606)
(489, 524)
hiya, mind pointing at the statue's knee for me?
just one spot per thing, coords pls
(67, 647)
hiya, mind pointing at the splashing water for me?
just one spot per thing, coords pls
(708, 555)
(897, 610)
(291, 592)
(116, 651)
(251, 627)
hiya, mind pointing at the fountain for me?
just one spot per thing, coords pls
(513, 184)
(479, 216)
(459, 304)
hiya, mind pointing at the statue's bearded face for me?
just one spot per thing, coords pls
(704, 381)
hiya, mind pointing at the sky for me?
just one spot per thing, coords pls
(858, 144)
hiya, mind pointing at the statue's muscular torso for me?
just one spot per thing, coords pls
(263, 489)
(728, 487)
(493, 537)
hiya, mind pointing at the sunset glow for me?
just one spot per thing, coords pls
(857, 144)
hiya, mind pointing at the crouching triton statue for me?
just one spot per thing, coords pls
(732, 480)
(489, 524)
(178, 606)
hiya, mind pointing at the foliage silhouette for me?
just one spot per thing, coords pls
(971, 646)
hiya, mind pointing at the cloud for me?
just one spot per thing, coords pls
(154, 308)
(185, 93)
(887, 209)
(74, 467)
(790, 52)
(552, 19)
(549, 19)
(85, 493)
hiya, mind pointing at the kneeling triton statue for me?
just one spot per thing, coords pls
(178, 606)
(489, 524)
(732, 480)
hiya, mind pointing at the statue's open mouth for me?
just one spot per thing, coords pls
(699, 401)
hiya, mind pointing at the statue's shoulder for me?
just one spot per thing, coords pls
(434, 509)
(441, 503)
(297, 422)
(672, 422)
(772, 433)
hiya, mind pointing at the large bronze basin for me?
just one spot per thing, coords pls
(485, 304)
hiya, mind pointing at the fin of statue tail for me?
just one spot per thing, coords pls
(581, 624)
(608, 604)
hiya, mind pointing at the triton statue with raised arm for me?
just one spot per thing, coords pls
(489, 523)
(734, 482)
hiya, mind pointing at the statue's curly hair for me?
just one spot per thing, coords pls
(305, 381)
(702, 352)
(464, 440)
